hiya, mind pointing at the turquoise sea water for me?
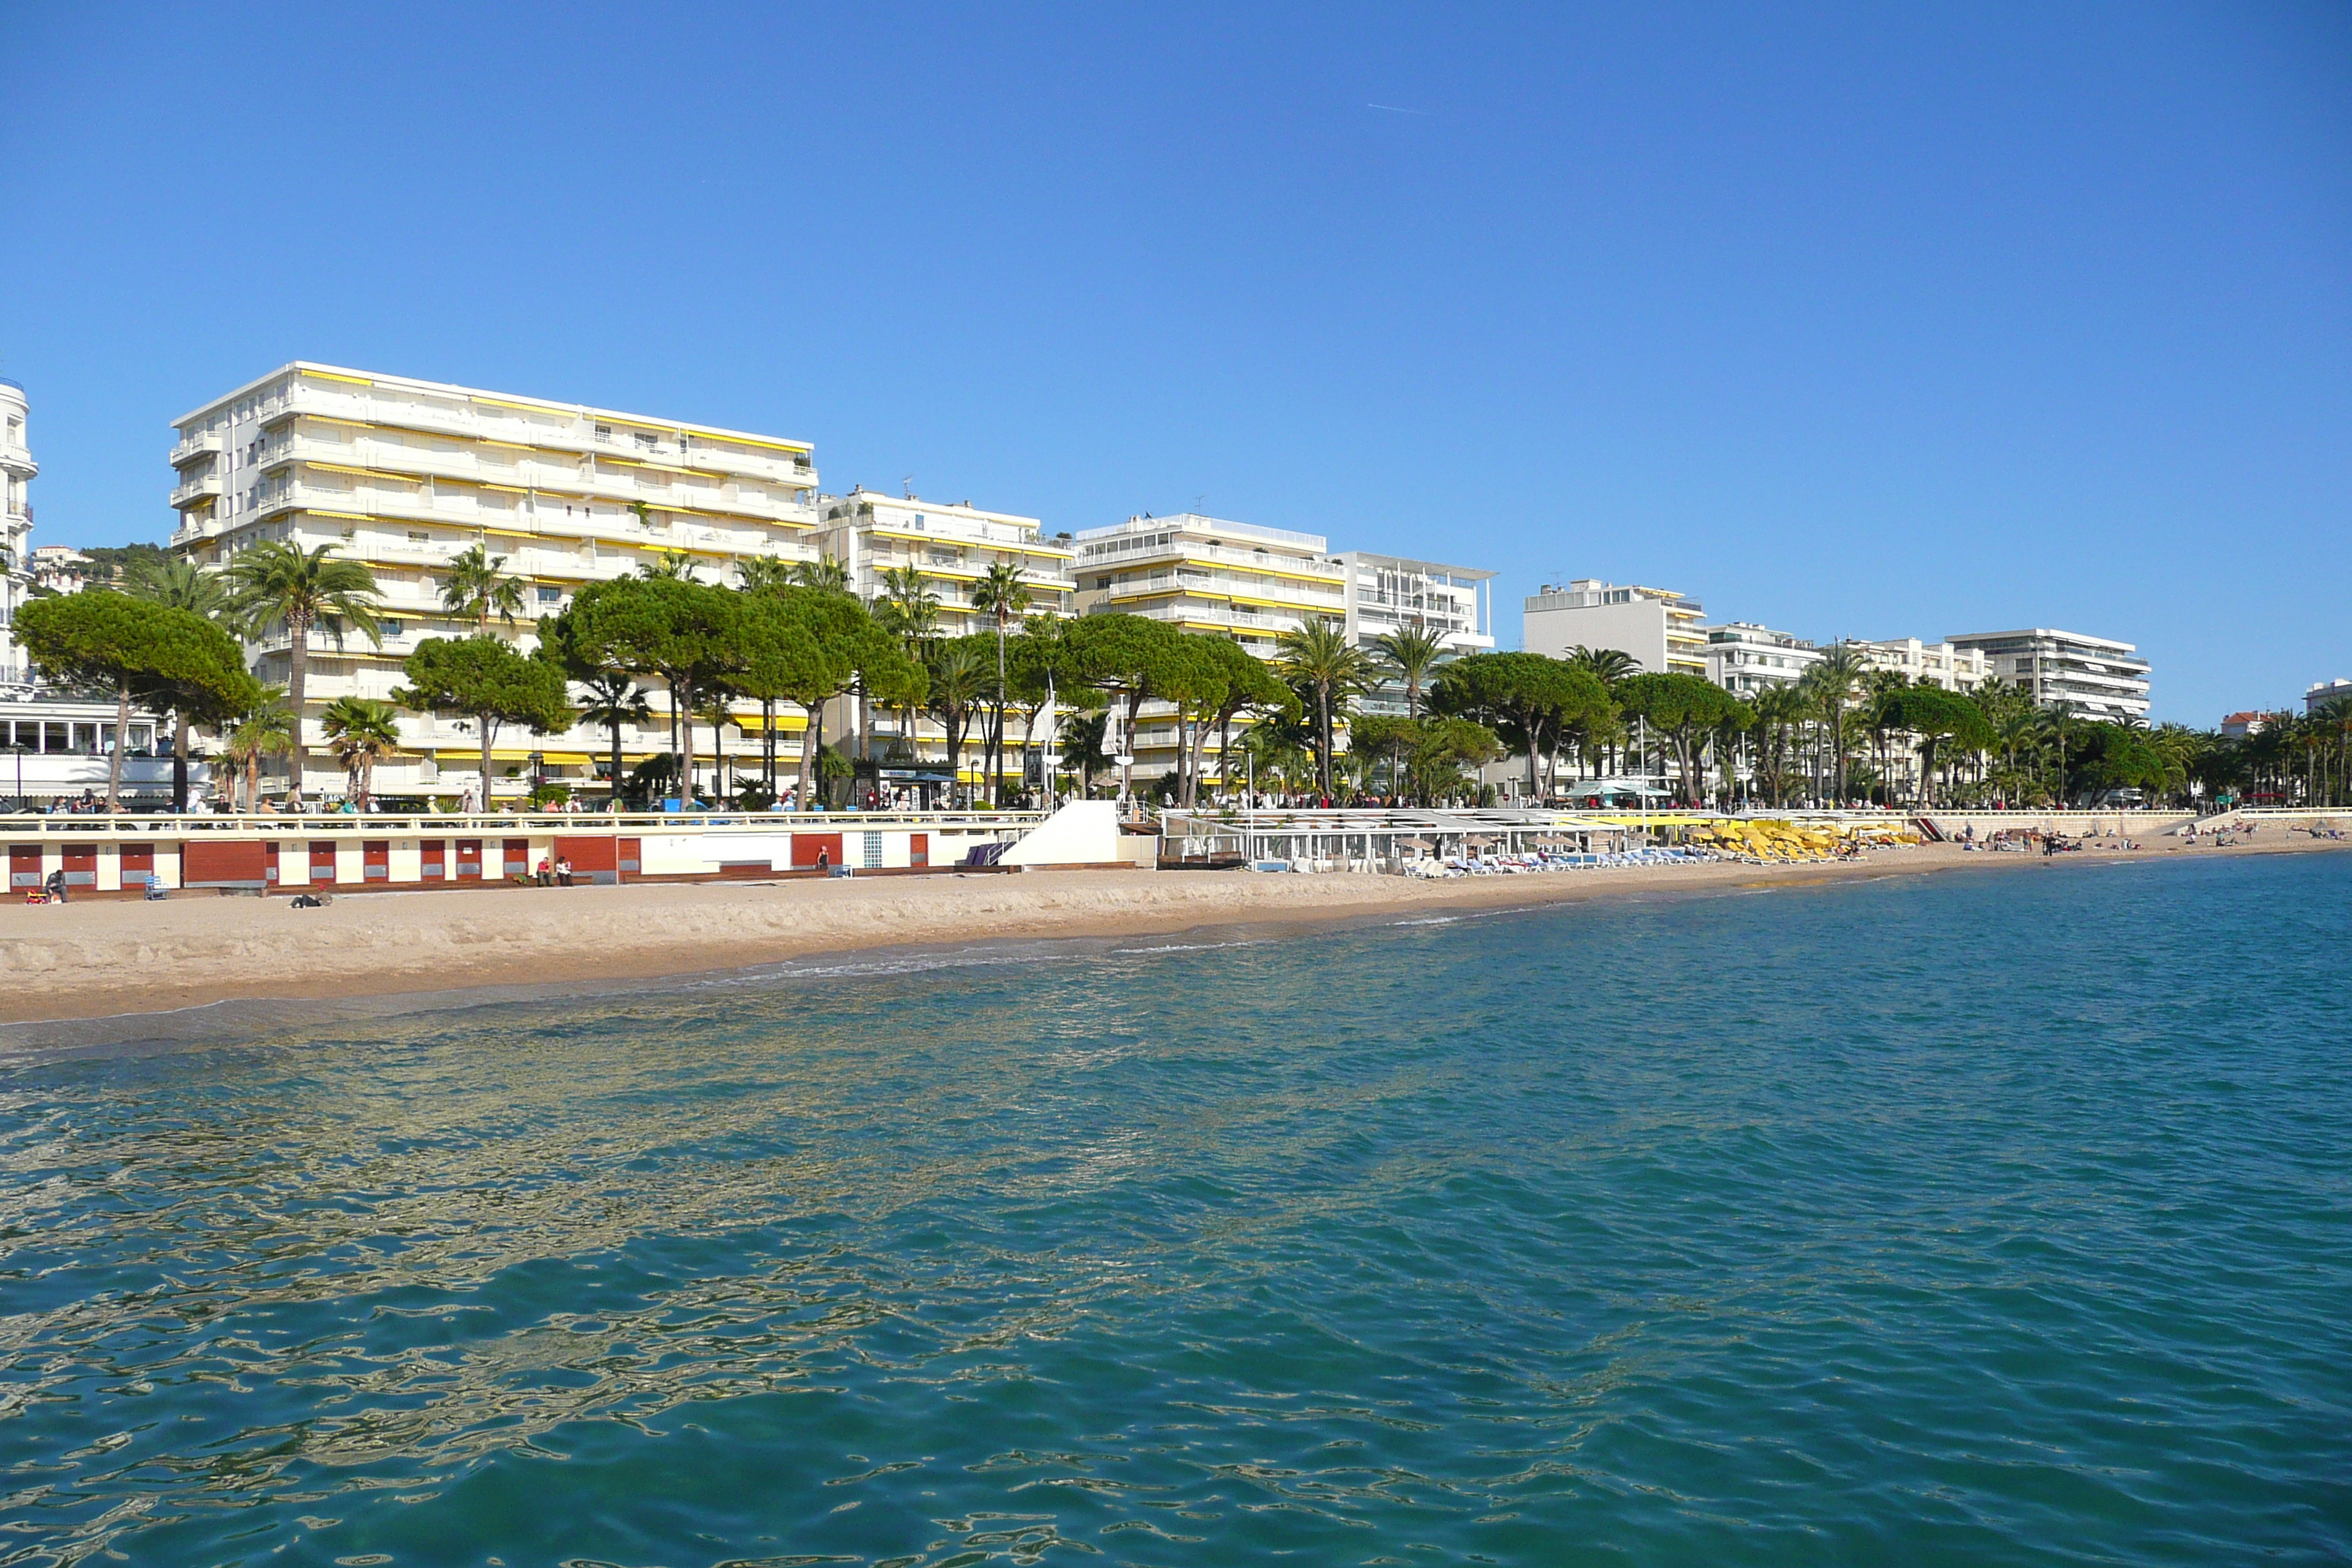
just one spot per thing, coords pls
(1993, 1217)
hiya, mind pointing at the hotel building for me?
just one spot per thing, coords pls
(1661, 629)
(2094, 678)
(1206, 574)
(1388, 593)
(952, 546)
(403, 475)
(2322, 692)
(1744, 658)
(1944, 664)
(17, 472)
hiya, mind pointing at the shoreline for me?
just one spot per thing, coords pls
(406, 951)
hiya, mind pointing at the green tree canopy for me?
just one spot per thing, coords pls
(485, 679)
(1685, 707)
(1526, 698)
(140, 650)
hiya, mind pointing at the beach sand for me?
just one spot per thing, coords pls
(102, 959)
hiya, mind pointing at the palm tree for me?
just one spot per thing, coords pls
(1321, 657)
(959, 680)
(909, 611)
(1412, 652)
(614, 699)
(1607, 665)
(1830, 683)
(280, 585)
(478, 589)
(827, 575)
(266, 731)
(677, 565)
(1001, 593)
(365, 733)
(764, 574)
(181, 585)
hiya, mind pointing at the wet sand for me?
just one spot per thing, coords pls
(102, 959)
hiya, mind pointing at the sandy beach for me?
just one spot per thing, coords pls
(100, 959)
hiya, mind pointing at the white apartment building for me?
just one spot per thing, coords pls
(952, 546)
(1944, 664)
(1745, 659)
(405, 474)
(1206, 574)
(1389, 592)
(16, 473)
(1660, 628)
(2322, 692)
(2094, 678)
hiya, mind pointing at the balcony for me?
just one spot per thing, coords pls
(190, 491)
(1189, 550)
(575, 438)
(193, 448)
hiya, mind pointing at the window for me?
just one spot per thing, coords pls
(392, 628)
(418, 536)
(603, 432)
(645, 443)
(551, 595)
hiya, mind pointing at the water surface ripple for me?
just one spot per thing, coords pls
(1976, 1219)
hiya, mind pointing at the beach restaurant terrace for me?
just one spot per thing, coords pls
(1390, 838)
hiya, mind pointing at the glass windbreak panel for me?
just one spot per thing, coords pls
(85, 738)
(55, 737)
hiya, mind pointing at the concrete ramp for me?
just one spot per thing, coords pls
(1083, 832)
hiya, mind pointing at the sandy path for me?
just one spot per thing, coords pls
(99, 959)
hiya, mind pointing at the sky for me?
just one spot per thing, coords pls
(1885, 321)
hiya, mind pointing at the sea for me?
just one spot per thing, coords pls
(1994, 1217)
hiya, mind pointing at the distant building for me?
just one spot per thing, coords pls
(1944, 664)
(2326, 692)
(16, 471)
(61, 569)
(2093, 677)
(1661, 629)
(1744, 658)
(2238, 726)
(1388, 593)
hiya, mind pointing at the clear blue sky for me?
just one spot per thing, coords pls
(1873, 321)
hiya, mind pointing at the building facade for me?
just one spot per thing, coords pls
(404, 475)
(1944, 664)
(1389, 592)
(951, 546)
(16, 473)
(1747, 660)
(2326, 692)
(1206, 574)
(2094, 678)
(1662, 631)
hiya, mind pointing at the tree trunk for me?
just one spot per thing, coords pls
(298, 670)
(489, 728)
(811, 754)
(768, 740)
(121, 737)
(180, 765)
(617, 766)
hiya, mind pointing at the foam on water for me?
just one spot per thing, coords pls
(1953, 1219)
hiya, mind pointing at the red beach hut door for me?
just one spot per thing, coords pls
(24, 864)
(323, 861)
(469, 860)
(806, 845)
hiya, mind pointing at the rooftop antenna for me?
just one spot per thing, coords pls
(907, 484)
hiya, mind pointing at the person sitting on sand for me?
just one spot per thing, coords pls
(562, 871)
